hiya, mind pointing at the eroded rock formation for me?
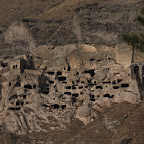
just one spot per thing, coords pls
(54, 85)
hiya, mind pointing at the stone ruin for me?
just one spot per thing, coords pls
(80, 84)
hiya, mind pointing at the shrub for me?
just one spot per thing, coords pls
(132, 38)
(142, 11)
(141, 19)
(136, 39)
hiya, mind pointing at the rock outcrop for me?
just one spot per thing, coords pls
(57, 84)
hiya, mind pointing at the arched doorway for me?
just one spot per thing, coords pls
(136, 70)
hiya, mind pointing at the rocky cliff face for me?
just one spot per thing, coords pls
(98, 23)
(53, 73)
(58, 84)
(93, 22)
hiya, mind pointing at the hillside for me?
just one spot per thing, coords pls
(66, 75)
(12, 10)
(69, 22)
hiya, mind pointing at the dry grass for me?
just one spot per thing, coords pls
(11, 10)
(66, 8)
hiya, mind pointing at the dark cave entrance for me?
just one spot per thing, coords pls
(15, 96)
(124, 85)
(59, 73)
(136, 70)
(55, 106)
(68, 87)
(51, 73)
(99, 87)
(91, 72)
(115, 87)
(67, 93)
(143, 75)
(108, 96)
(75, 95)
(63, 78)
(0, 93)
(28, 86)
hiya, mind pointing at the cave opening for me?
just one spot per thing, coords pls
(119, 80)
(108, 96)
(92, 59)
(125, 85)
(74, 100)
(91, 72)
(51, 73)
(106, 82)
(136, 70)
(59, 73)
(28, 86)
(69, 68)
(12, 108)
(80, 87)
(24, 96)
(99, 60)
(117, 74)
(22, 103)
(116, 87)
(89, 81)
(64, 82)
(143, 70)
(77, 81)
(51, 82)
(75, 95)
(68, 87)
(18, 103)
(77, 73)
(91, 85)
(99, 87)
(143, 80)
(13, 97)
(63, 78)
(73, 87)
(55, 106)
(14, 66)
(18, 83)
(4, 64)
(92, 97)
(0, 92)
(63, 106)
(34, 86)
(46, 92)
(67, 93)
(10, 83)
(114, 82)
(86, 86)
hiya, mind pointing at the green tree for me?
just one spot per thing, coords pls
(136, 40)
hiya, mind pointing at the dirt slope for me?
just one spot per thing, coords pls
(121, 124)
(63, 22)
(16, 9)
